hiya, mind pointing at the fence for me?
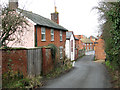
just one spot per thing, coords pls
(81, 53)
(31, 62)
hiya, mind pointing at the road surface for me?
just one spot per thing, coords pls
(86, 74)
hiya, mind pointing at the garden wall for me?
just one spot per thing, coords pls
(28, 61)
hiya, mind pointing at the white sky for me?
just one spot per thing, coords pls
(74, 15)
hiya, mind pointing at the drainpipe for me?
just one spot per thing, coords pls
(36, 36)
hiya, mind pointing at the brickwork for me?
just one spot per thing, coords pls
(56, 41)
(19, 61)
(17, 58)
(47, 65)
(99, 50)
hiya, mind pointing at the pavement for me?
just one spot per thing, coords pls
(86, 74)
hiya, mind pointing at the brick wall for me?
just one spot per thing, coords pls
(56, 41)
(17, 58)
(47, 64)
(99, 50)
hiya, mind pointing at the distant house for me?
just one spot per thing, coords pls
(70, 45)
(41, 31)
(94, 40)
(99, 49)
(84, 43)
(87, 44)
(76, 48)
(80, 42)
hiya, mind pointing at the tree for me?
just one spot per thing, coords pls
(110, 27)
(12, 25)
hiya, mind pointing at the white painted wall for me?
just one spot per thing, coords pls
(67, 49)
(68, 53)
(27, 39)
(72, 53)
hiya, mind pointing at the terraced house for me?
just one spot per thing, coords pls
(41, 31)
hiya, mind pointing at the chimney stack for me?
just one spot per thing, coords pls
(55, 16)
(13, 4)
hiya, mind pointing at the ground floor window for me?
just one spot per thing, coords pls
(61, 52)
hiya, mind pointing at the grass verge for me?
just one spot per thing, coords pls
(114, 74)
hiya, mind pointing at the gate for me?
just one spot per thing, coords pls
(34, 62)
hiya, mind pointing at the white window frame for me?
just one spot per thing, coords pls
(91, 48)
(60, 35)
(61, 52)
(52, 35)
(43, 33)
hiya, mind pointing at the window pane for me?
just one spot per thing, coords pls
(43, 36)
(60, 32)
(52, 32)
(43, 33)
(61, 53)
(43, 30)
(60, 35)
(52, 37)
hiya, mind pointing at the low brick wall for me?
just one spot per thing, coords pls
(28, 64)
(16, 59)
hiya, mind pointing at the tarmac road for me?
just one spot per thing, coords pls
(86, 74)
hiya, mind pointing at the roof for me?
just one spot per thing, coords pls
(76, 38)
(68, 35)
(93, 37)
(42, 21)
(86, 40)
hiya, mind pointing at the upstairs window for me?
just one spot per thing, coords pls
(60, 35)
(52, 35)
(43, 38)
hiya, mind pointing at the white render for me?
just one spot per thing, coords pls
(69, 54)
(27, 39)
(67, 49)
(72, 53)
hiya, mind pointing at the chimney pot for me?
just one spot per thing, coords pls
(13, 4)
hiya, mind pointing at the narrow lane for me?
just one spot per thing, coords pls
(86, 74)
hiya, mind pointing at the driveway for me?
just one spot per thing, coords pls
(86, 74)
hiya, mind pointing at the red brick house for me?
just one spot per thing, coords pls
(42, 31)
(84, 43)
(87, 44)
(80, 42)
(93, 39)
(99, 50)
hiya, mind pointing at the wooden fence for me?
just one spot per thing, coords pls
(31, 62)
(34, 61)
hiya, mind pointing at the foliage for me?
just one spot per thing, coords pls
(10, 77)
(53, 51)
(18, 82)
(12, 26)
(59, 70)
(110, 26)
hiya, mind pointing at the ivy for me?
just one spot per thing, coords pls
(111, 31)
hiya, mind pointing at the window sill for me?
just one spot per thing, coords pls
(52, 40)
(43, 40)
(61, 58)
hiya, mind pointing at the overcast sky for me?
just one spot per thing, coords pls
(75, 15)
